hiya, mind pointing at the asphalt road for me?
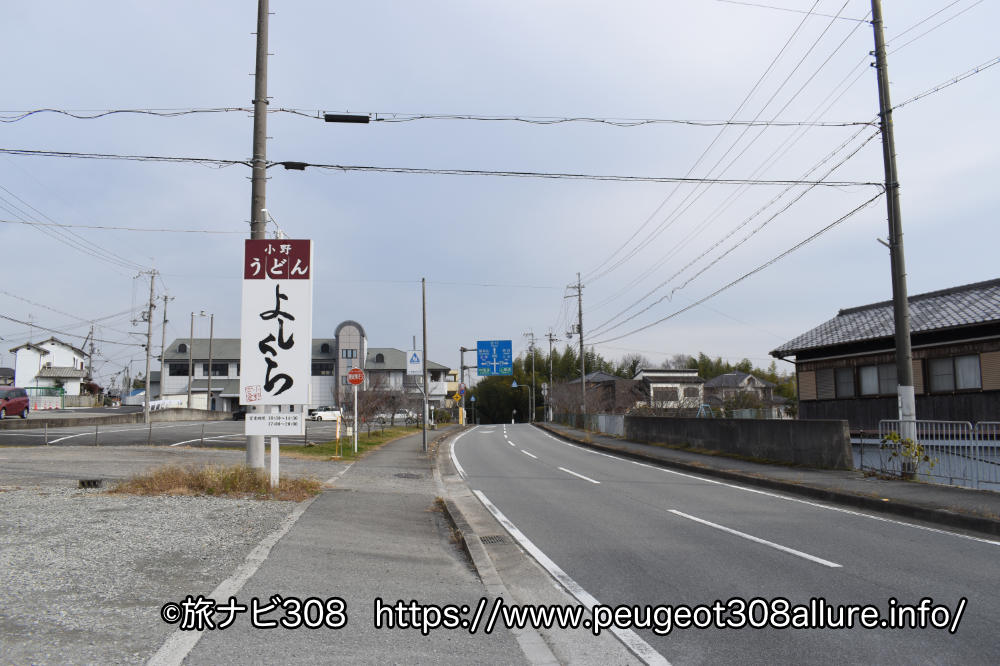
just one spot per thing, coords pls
(633, 534)
(181, 433)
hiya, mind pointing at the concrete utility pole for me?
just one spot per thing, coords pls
(548, 409)
(423, 308)
(531, 393)
(901, 308)
(583, 368)
(163, 343)
(90, 357)
(258, 179)
(211, 334)
(461, 380)
(190, 361)
(149, 341)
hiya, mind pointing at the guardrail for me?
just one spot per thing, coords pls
(954, 453)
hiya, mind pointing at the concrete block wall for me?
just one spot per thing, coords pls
(823, 444)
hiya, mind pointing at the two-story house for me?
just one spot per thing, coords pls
(51, 363)
(332, 359)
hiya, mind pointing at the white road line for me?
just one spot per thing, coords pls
(585, 478)
(777, 495)
(511, 443)
(639, 647)
(749, 537)
(198, 439)
(180, 643)
(454, 460)
(530, 455)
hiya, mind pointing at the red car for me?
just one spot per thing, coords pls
(13, 401)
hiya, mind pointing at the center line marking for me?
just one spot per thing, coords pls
(531, 455)
(585, 478)
(749, 537)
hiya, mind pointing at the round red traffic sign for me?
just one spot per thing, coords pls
(356, 376)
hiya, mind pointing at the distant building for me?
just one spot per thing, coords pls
(607, 394)
(744, 389)
(672, 389)
(332, 359)
(6, 376)
(846, 367)
(50, 363)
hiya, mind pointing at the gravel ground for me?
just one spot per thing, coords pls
(83, 573)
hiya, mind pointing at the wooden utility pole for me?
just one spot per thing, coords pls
(163, 344)
(149, 340)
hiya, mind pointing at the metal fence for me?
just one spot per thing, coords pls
(950, 452)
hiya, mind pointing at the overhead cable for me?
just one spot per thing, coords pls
(743, 277)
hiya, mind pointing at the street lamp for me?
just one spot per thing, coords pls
(211, 332)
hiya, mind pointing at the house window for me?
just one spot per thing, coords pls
(845, 382)
(887, 379)
(324, 349)
(182, 348)
(868, 378)
(958, 373)
(380, 358)
(218, 369)
(177, 370)
(348, 353)
(691, 392)
(322, 369)
(967, 372)
(665, 394)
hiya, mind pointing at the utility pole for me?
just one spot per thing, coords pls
(901, 308)
(190, 361)
(531, 393)
(163, 344)
(461, 379)
(583, 368)
(423, 309)
(258, 180)
(90, 357)
(149, 340)
(211, 334)
(548, 413)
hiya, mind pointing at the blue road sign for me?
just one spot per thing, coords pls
(495, 357)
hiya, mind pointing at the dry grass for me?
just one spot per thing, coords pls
(236, 481)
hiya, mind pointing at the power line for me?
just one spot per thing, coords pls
(442, 172)
(947, 84)
(748, 274)
(71, 335)
(789, 9)
(34, 223)
(400, 117)
(932, 29)
(753, 232)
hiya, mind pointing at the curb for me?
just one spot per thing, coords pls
(536, 651)
(938, 516)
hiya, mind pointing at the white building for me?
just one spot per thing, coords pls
(332, 358)
(672, 389)
(51, 363)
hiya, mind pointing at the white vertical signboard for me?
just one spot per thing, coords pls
(276, 325)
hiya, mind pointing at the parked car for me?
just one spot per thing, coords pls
(13, 401)
(324, 414)
(401, 416)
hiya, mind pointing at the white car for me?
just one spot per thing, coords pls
(325, 414)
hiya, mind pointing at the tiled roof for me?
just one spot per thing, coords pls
(62, 373)
(967, 305)
(733, 379)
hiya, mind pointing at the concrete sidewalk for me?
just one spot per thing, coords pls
(377, 533)
(957, 508)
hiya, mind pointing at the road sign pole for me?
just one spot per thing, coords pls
(355, 419)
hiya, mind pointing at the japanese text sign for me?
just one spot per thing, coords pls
(276, 324)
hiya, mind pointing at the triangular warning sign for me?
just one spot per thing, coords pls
(415, 358)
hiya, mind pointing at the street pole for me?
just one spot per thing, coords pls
(163, 345)
(548, 414)
(901, 310)
(355, 419)
(583, 367)
(423, 309)
(211, 334)
(190, 361)
(149, 341)
(258, 178)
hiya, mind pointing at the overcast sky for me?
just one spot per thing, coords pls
(497, 252)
